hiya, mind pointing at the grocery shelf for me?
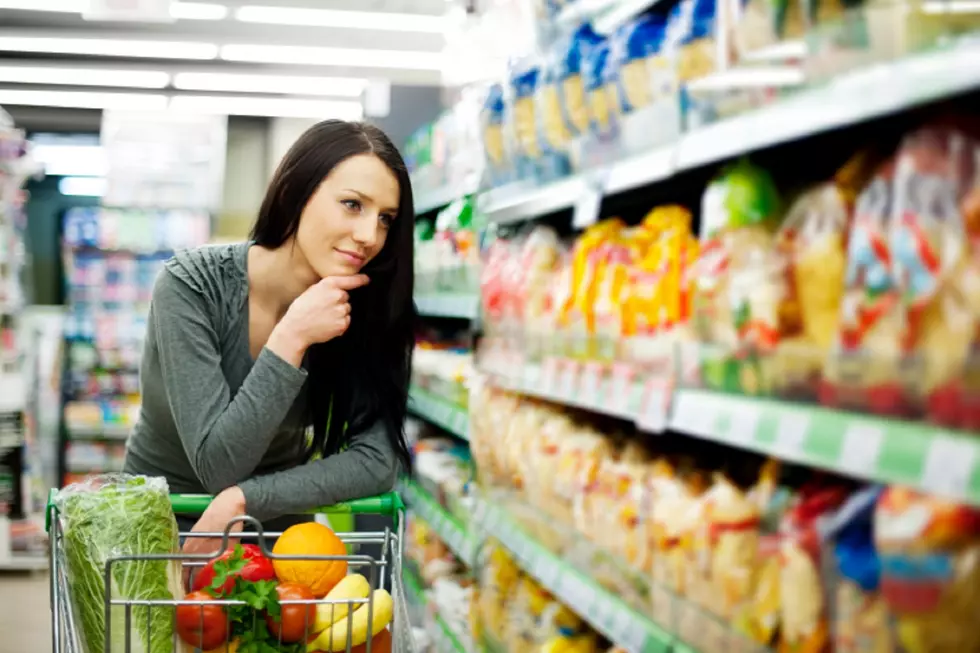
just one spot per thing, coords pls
(460, 541)
(95, 432)
(603, 610)
(446, 640)
(459, 305)
(441, 412)
(864, 446)
(849, 99)
(24, 563)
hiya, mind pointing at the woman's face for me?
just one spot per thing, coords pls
(346, 221)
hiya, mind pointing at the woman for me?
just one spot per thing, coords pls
(310, 324)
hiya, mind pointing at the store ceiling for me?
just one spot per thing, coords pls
(265, 50)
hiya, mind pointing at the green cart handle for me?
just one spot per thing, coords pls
(384, 504)
(389, 504)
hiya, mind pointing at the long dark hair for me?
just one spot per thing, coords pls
(361, 377)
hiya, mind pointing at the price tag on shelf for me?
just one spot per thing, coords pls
(567, 380)
(590, 384)
(629, 631)
(579, 595)
(587, 206)
(696, 414)
(949, 466)
(532, 376)
(621, 389)
(743, 423)
(549, 376)
(791, 431)
(653, 411)
(861, 448)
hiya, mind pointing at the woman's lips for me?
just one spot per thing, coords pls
(351, 257)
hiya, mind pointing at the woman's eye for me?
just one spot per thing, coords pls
(353, 205)
(386, 220)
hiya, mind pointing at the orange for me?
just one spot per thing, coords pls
(310, 539)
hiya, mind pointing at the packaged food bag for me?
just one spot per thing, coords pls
(936, 271)
(525, 82)
(634, 47)
(862, 621)
(541, 259)
(597, 69)
(804, 614)
(862, 371)
(618, 258)
(813, 243)
(740, 291)
(571, 78)
(929, 549)
(493, 122)
(111, 516)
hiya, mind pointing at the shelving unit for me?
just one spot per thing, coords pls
(445, 639)
(455, 305)
(456, 536)
(439, 411)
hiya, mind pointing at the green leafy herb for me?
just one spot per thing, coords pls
(259, 597)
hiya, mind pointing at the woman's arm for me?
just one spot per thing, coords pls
(224, 437)
(369, 466)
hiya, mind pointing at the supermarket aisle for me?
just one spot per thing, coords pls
(25, 622)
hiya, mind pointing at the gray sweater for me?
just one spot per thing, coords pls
(211, 417)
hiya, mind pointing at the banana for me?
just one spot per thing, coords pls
(354, 586)
(334, 638)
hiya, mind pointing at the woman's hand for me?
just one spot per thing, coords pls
(226, 506)
(320, 314)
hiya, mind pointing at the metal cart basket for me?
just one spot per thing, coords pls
(383, 571)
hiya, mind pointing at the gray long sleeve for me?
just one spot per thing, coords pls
(369, 466)
(225, 437)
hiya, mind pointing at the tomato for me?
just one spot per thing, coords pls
(256, 567)
(296, 619)
(380, 643)
(202, 626)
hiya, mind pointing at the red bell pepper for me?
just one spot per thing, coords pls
(254, 567)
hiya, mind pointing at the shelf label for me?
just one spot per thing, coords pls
(532, 376)
(590, 385)
(566, 381)
(861, 449)
(587, 206)
(653, 413)
(696, 414)
(549, 377)
(743, 423)
(628, 632)
(621, 389)
(949, 466)
(579, 595)
(791, 432)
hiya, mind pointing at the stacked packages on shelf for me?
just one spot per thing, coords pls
(112, 258)
(858, 292)
(447, 254)
(740, 554)
(591, 91)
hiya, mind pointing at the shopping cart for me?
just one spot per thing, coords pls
(388, 565)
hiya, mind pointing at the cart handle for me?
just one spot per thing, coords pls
(389, 504)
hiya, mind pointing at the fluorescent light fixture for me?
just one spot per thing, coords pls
(270, 107)
(934, 7)
(347, 57)
(34, 74)
(82, 186)
(110, 47)
(84, 100)
(198, 11)
(71, 160)
(376, 20)
(271, 84)
(178, 10)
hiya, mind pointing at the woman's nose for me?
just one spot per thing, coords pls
(366, 230)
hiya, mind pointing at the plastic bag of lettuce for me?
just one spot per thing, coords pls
(108, 517)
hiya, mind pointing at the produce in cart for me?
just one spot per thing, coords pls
(106, 518)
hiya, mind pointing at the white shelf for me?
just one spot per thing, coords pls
(850, 99)
(24, 563)
(459, 305)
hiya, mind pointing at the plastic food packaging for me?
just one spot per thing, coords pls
(111, 516)
(930, 578)
(862, 371)
(597, 69)
(741, 292)
(634, 47)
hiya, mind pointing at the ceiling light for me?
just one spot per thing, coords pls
(110, 47)
(82, 186)
(178, 10)
(376, 20)
(316, 56)
(84, 100)
(198, 11)
(270, 107)
(272, 84)
(83, 76)
(70, 159)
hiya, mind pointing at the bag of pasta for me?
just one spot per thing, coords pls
(929, 549)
